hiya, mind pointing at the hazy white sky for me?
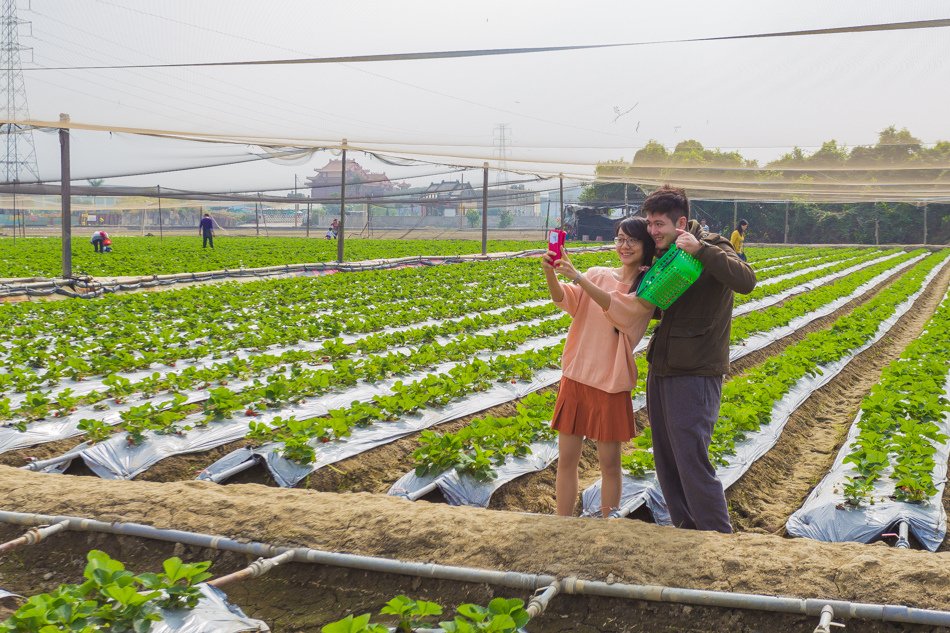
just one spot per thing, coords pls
(763, 96)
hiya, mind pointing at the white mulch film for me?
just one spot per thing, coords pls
(646, 490)
(213, 614)
(115, 458)
(463, 490)
(825, 516)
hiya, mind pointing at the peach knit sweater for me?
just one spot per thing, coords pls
(595, 353)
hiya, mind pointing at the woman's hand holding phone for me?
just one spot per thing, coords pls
(565, 267)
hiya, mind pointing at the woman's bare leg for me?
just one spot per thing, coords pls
(608, 453)
(569, 449)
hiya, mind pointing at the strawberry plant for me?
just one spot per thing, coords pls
(111, 598)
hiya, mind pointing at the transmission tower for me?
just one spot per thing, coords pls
(502, 130)
(19, 153)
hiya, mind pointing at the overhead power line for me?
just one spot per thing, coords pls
(430, 55)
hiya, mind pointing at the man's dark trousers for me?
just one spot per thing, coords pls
(683, 411)
(206, 240)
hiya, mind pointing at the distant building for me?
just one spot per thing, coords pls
(449, 198)
(360, 183)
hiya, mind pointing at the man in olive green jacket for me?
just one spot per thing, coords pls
(688, 356)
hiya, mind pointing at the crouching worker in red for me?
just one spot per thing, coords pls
(599, 373)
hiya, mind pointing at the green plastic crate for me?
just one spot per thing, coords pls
(669, 277)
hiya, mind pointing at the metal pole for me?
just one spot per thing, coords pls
(785, 239)
(308, 219)
(161, 230)
(65, 198)
(296, 204)
(484, 208)
(925, 224)
(625, 198)
(560, 222)
(14, 220)
(735, 214)
(339, 236)
(257, 218)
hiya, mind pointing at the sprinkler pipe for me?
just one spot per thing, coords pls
(34, 536)
(258, 568)
(824, 622)
(903, 541)
(509, 579)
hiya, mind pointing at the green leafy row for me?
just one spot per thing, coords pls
(297, 383)
(763, 291)
(433, 390)
(500, 616)
(477, 448)
(40, 404)
(40, 257)
(131, 332)
(899, 420)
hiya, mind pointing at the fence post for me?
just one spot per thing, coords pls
(65, 198)
(735, 213)
(339, 236)
(785, 239)
(161, 229)
(560, 223)
(485, 208)
(925, 224)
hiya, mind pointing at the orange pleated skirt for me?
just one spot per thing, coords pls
(595, 414)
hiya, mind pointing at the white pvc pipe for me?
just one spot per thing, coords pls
(513, 580)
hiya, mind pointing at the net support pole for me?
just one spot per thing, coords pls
(560, 219)
(308, 219)
(14, 220)
(484, 208)
(161, 228)
(735, 214)
(925, 224)
(65, 198)
(785, 239)
(257, 219)
(341, 233)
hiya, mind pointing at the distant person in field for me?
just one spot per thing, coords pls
(206, 229)
(738, 237)
(704, 226)
(98, 241)
(334, 229)
(593, 400)
(688, 356)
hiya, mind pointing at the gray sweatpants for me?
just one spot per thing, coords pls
(683, 411)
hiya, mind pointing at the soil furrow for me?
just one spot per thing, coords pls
(777, 484)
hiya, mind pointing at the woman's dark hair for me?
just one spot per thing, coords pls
(741, 227)
(637, 229)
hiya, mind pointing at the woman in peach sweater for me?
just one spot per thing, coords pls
(593, 399)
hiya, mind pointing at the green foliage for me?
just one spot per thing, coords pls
(500, 616)
(111, 598)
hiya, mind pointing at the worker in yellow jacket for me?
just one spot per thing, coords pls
(738, 237)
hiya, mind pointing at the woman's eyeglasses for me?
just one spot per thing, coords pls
(625, 241)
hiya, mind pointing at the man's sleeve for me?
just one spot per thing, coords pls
(720, 259)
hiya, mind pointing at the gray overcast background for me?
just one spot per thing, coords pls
(762, 96)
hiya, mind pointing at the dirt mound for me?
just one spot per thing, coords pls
(376, 525)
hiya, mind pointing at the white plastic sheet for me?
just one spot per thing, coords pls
(114, 458)
(470, 492)
(825, 515)
(778, 297)
(647, 489)
(213, 614)
(465, 490)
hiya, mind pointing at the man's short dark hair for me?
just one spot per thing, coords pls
(670, 201)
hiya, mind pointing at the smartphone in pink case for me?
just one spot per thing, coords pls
(556, 239)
